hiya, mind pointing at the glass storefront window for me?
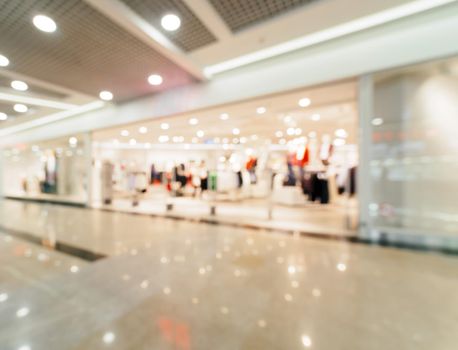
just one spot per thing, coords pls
(414, 151)
(54, 169)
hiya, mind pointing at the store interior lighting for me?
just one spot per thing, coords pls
(19, 85)
(44, 23)
(170, 22)
(4, 61)
(106, 95)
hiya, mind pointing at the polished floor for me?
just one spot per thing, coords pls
(340, 217)
(171, 284)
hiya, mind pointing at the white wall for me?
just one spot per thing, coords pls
(418, 38)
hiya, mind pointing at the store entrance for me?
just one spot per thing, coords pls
(285, 162)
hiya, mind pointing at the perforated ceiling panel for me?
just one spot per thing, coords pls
(240, 14)
(88, 52)
(190, 36)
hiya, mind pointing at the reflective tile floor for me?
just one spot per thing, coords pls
(167, 284)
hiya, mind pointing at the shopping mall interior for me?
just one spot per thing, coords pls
(228, 174)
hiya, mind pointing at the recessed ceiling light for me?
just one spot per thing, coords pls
(165, 126)
(193, 121)
(304, 102)
(236, 131)
(200, 133)
(19, 85)
(224, 116)
(109, 337)
(155, 79)
(20, 108)
(143, 130)
(125, 133)
(170, 22)
(25, 347)
(73, 141)
(306, 341)
(4, 61)
(3, 116)
(290, 131)
(163, 138)
(132, 142)
(106, 95)
(261, 110)
(315, 117)
(22, 312)
(341, 133)
(44, 23)
(377, 121)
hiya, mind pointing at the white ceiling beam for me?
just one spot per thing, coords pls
(34, 100)
(52, 118)
(209, 17)
(11, 74)
(125, 17)
(359, 24)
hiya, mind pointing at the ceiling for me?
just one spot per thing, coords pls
(336, 105)
(241, 14)
(115, 45)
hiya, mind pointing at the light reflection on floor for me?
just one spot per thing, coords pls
(182, 285)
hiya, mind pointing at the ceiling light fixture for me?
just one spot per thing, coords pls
(20, 108)
(106, 95)
(44, 23)
(143, 130)
(278, 133)
(306, 341)
(193, 121)
(163, 138)
(4, 61)
(73, 141)
(3, 116)
(200, 133)
(170, 22)
(165, 126)
(261, 110)
(19, 85)
(155, 79)
(125, 133)
(341, 133)
(304, 102)
(377, 121)
(315, 117)
(290, 131)
(224, 116)
(236, 131)
(363, 23)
